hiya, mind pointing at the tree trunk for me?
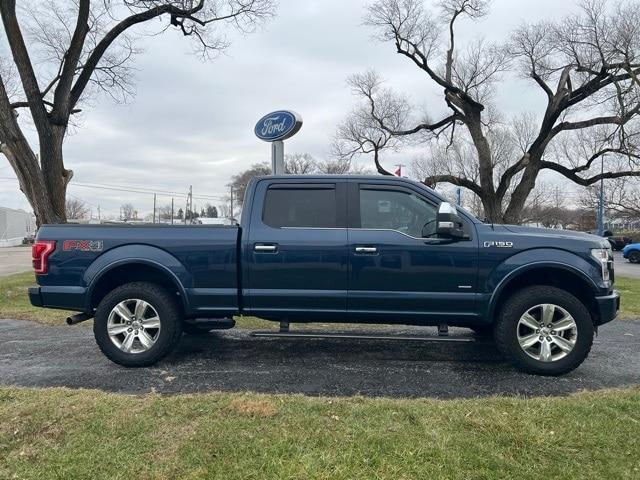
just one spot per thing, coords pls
(519, 196)
(492, 207)
(31, 178)
(56, 178)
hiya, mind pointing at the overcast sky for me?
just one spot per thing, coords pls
(191, 122)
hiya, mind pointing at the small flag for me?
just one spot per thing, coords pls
(398, 172)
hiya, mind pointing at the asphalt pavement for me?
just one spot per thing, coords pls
(15, 260)
(41, 356)
(624, 268)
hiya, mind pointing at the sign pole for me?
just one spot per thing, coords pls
(275, 127)
(277, 157)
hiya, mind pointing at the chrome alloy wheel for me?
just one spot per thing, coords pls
(547, 332)
(133, 326)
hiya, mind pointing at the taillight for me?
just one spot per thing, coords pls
(40, 255)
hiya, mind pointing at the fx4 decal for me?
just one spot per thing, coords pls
(83, 245)
(498, 244)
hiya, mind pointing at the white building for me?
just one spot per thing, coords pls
(15, 225)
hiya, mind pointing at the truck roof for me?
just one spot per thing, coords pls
(377, 178)
(373, 178)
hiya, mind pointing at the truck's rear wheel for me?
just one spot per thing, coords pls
(544, 330)
(137, 324)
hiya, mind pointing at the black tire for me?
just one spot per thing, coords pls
(167, 309)
(634, 257)
(191, 329)
(506, 335)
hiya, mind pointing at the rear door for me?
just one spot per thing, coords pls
(398, 269)
(296, 251)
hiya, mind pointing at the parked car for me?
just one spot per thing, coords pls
(368, 249)
(619, 242)
(632, 252)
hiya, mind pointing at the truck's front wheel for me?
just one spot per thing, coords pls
(137, 324)
(544, 330)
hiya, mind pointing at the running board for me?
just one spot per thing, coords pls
(361, 336)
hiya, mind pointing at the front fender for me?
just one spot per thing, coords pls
(528, 260)
(143, 255)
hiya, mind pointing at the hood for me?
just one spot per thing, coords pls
(551, 234)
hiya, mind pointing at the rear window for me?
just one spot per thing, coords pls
(300, 207)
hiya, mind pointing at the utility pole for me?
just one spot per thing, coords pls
(154, 208)
(171, 210)
(99, 218)
(189, 205)
(458, 196)
(601, 202)
(231, 206)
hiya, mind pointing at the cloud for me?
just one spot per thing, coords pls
(191, 122)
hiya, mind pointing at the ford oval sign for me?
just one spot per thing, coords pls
(278, 125)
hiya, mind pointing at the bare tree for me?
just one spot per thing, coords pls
(585, 66)
(224, 210)
(299, 163)
(340, 167)
(76, 209)
(621, 199)
(128, 212)
(82, 47)
(240, 181)
(164, 213)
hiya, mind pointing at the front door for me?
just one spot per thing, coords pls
(297, 250)
(398, 270)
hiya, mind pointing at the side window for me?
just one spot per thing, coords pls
(398, 210)
(300, 207)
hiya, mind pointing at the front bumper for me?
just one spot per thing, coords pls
(608, 307)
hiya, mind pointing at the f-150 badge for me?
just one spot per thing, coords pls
(83, 245)
(498, 244)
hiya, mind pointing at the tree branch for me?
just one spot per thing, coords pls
(433, 180)
(571, 175)
(61, 100)
(102, 46)
(23, 63)
(608, 120)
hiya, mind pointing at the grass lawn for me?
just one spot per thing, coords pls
(629, 289)
(14, 303)
(68, 434)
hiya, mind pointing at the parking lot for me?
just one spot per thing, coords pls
(624, 268)
(45, 356)
(14, 260)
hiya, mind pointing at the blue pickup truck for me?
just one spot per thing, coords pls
(367, 249)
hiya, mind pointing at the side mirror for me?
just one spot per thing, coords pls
(448, 224)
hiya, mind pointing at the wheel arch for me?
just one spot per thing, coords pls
(134, 270)
(559, 275)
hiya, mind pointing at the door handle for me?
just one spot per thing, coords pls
(369, 250)
(263, 248)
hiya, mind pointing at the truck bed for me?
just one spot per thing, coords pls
(202, 259)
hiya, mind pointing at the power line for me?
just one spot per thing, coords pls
(143, 190)
(138, 190)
